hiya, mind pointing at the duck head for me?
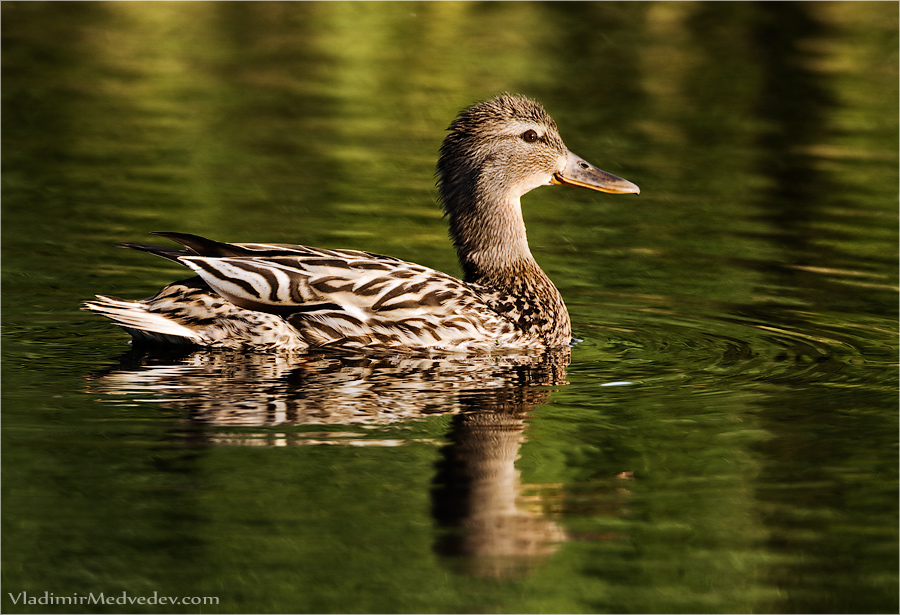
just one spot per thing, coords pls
(511, 143)
(495, 152)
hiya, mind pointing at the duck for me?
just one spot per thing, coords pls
(278, 297)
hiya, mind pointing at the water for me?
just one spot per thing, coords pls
(723, 440)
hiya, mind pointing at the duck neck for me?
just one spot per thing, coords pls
(489, 234)
(490, 238)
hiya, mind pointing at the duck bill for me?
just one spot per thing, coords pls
(579, 172)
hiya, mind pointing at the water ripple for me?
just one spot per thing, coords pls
(751, 344)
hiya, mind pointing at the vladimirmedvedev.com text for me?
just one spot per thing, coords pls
(49, 598)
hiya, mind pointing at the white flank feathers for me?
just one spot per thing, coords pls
(134, 315)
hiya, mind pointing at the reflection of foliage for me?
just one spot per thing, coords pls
(749, 293)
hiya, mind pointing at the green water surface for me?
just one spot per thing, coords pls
(723, 440)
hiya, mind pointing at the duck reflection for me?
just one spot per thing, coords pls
(476, 495)
(487, 528)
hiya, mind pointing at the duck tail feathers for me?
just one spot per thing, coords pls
(141, 323)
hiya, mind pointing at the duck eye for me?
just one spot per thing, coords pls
(530, 136)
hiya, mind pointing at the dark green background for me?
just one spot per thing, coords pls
(749, 295)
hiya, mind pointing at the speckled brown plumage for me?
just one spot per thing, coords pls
(272, 296)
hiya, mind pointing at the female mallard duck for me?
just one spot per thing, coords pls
(272, 296)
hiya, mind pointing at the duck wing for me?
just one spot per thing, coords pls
(195, 245)
(344, 297)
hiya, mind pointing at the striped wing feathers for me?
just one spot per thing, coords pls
(201, 246)
(295, 297)
(354, 298)
(288, 283)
